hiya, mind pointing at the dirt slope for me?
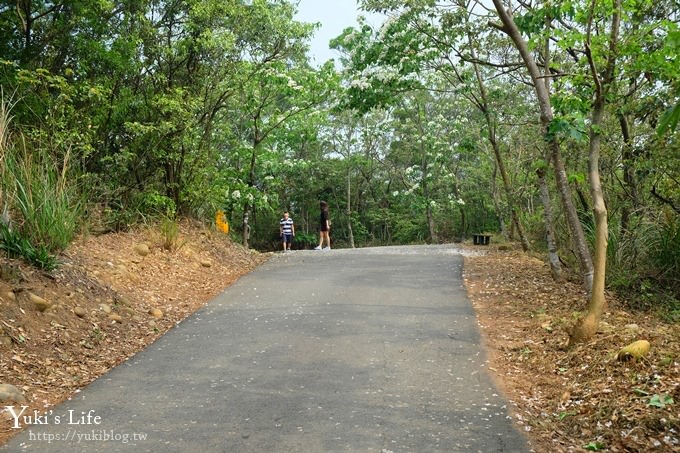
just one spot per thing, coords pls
(108, 300)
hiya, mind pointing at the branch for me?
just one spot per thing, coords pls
(498, 26)
(556, 75)
(473, 60)
(589, 53)
(47, 11)
(665, 200)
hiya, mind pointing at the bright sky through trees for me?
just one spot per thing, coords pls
(334, 16)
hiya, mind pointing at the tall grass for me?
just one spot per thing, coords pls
(666, 248)
(5, 120)
(169, 234)
(49, 205)
(644, 263)
(40, 205)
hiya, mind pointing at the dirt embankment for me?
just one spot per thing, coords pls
(112, 296)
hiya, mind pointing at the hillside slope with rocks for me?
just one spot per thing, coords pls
(112, 295)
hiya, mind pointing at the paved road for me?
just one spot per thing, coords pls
(371, 350)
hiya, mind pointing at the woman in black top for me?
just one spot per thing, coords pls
(324, 228)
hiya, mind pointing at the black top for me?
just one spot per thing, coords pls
(323, 224)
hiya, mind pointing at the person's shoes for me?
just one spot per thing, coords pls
(318, 247)
(326, 248)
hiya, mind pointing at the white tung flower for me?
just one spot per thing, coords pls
(293, 84)
(236, 194)
(350, 37)
(362, 83)
(385, 27)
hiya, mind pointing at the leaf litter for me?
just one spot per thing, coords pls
(583, 398)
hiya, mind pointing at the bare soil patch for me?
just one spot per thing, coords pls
(565, 400)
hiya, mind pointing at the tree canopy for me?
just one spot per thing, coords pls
(452, 118)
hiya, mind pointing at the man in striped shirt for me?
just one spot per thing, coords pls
(287, 231)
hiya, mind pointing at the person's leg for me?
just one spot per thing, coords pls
(318, 247)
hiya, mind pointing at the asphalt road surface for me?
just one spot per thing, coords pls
(367, 350)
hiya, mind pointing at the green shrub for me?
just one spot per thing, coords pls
(643, 264)
(18, 246)
(306, 240)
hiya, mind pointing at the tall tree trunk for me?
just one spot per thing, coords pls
(246, 226)
(551, 242)
(431, 227)
(553, 257)
(349, 209)
(248, 207)
(578, 237)
(507, 185)
(497, 205)
(632, 198)
(587, 326)
(463, 224)
(428, 210)
(434, 238)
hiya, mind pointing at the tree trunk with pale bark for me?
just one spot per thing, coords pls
(553, 257)
(586, 327)
(578, 237)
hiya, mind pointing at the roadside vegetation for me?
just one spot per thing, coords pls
(553, 125)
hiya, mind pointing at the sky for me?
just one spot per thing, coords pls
(334, 16)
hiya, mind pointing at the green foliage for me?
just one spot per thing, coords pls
(408, 231)
(382, 65)
(534, 21)
(665, 247)
(18, 246)
(594, 446)
(306, 240)
(567, 128)
(45, 198)
(644, 264)
(360, 232)
(156, 205)
(660, 401)
(669, 120)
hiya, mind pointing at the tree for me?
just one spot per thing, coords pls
(510, 28)
(603, 81)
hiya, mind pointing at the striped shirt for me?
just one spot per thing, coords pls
(286, 225)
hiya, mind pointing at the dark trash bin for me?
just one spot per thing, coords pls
(481, 239)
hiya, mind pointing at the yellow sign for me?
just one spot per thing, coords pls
(221, 222)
